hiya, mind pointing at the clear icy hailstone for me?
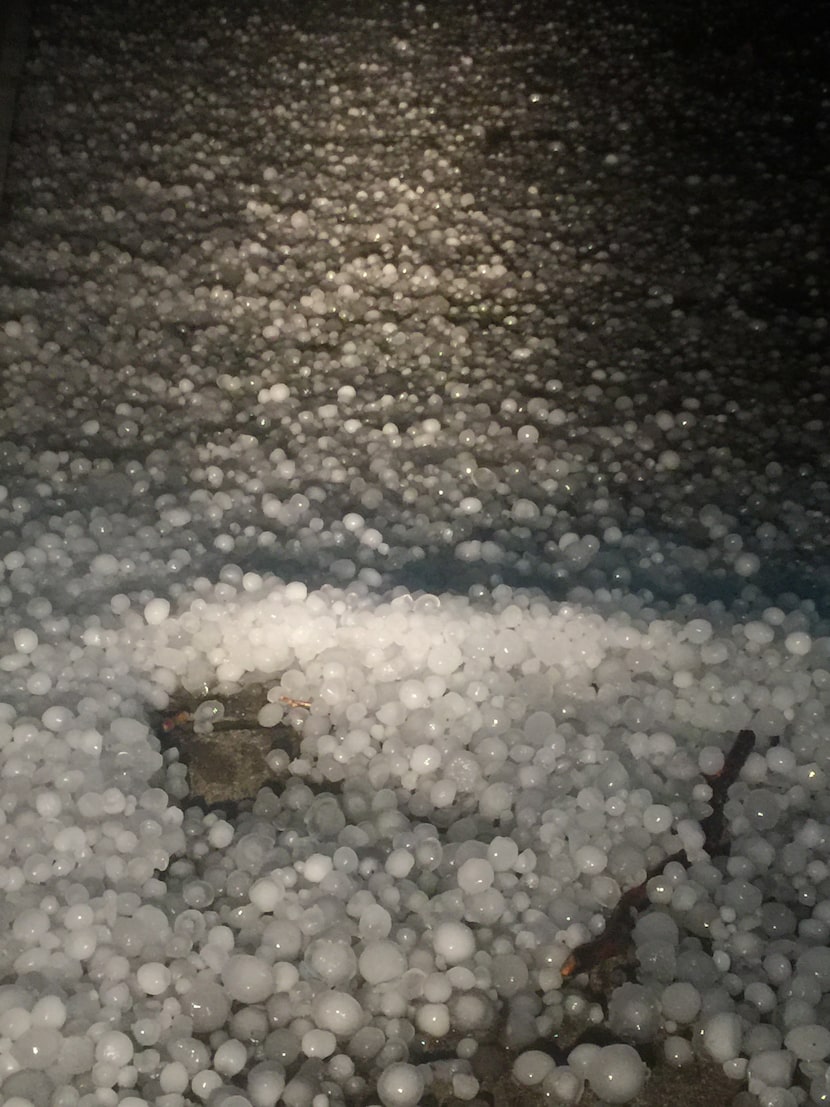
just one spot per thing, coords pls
(400, 1085)
(617, 1074)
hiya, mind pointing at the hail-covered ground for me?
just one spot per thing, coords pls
(457, 376)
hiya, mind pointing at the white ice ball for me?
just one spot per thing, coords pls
(247, 979)
(400, 1085)
(454, 941)
(617, 1074)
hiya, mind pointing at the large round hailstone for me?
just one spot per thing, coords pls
(475, 875)
(773, 1067)
(333, 962)
(381, 961)
(722, 1036)
(590, 859)
(809, 1043)
(681, 1002)
(444, 658)
(400, 1085)
(338, 1012)
(617, 1074)
(633, 1012)
(247, 979)
(815, 963)
(156, 611)
(532, 1066)
(207, 1005)
(454, 941)
(153, 978)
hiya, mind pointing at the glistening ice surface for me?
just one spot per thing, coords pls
(462, 374)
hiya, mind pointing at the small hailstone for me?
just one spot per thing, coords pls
(677, 1051)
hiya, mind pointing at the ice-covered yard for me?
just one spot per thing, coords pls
(451, 382)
